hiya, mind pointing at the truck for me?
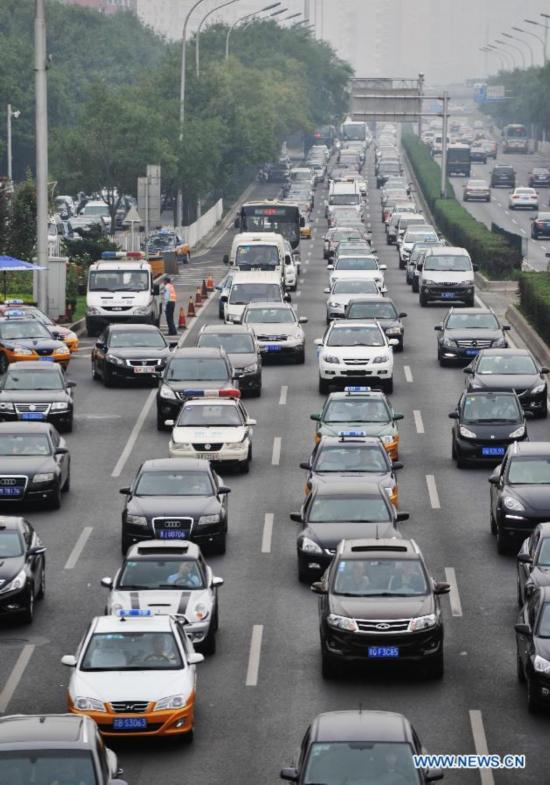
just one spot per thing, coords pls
(458, 160)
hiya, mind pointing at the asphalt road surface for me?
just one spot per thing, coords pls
(260, 690)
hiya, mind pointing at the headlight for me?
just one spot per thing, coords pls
(388, 439)
(236, 445)
(309, 546)
(393, 331)
(518, 433)
(466, 432)
(208, 519)
(43, 477)
(540, 664)
(331, 358)
(428, 283)
(88, 704)
(422, 622)
(59, 406)
(167, 392)
(111, 358)
(449, 342)
(136, 520)
(475, 385)
(171, 702)
(534, 390)
(252, 368)
(513, 504)
(334, 304)
(63, 350)
(141, 309)
(6, 407)
(380, 358)
(201, 612)
(92, 310)
(342, 623)
(16, 583)
(181, 445)
(499, 343)
(22, 350)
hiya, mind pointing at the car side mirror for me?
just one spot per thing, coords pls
(420, 266)
(223, 490)
(226, 258)
(438, 328)
(494, 479)
(118, 782)
(382, 266)
(326, 290)
(302, 320)
(289, 774)
(318, 341)
(396, 465)
(397, 416)
(393, 342)
(195, 658)
(101, 346)
(453, 415)
(61, 451)
(218, 288)
(315, 417)
(107, 582)
(468, 369)
(69, 660)
(524, 558)
(475, 267)
(506, 327)
(403, 516)
(217, 582)
(37, 551)
(71, 384)
(170, 423)
(544, 369)
(529, 415)
(237, 223)
(305, 465)
(402, 315)
(124, 491)
(330, 267)
(296, 517)
(287, 298)
(441, 587)
(318, 587)
(523, 629)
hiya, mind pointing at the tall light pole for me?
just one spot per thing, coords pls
(306, 10)
(533, 35)
(488, 51)
(292, 16)
(198, 33)
(528, 45)
(545, 39)
(41, 110)
(244, 18)
(494, 50)
(10, 113)
(511, 46)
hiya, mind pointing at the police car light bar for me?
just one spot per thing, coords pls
(135, 255)
(113, 255)
(350, 390)
(228, 393)
(351, 434)
(14, 313)
(129, 612)
(14, 302)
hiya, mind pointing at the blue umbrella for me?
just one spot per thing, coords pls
(9, 264)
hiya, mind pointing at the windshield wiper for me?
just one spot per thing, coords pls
(494, 419)
(134, 587)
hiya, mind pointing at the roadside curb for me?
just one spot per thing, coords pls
(528, 335)
(488, 285)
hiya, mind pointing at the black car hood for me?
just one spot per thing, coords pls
(9, 568)
(192, 506)
(34, 396)
(534, 497)
(472, 335)
(497, 381)
(198, 385)
(27, 464)
(328, 535)
(139, 353)
(494, 431)
(239, 361)
(381, 607)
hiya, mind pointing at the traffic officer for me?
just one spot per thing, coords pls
(169, 301)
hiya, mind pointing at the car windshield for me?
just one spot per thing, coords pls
(543, 559)
(359, 263)
(529, 470)
(137, 339)
(344, 199)
(447, 263)
(358, 509)
(380, 577)
(209, 416)
(11, 544)
(13, 330)
(34, 380)
(356, 336)
(341, 237)
(506, 364)
(351, 458)
(197, 369)
(491, 408)
(374, 310)
(258, 256)
(270, 316)
(477, 184)
(132, 651)
(244, 293)
(355, 287)
(357, 410)
(543, 628)
(472, 321)
(364, 762)
(233, 343)
(24, 444)
(423, 236)
(160, 574)
(174, 483)
(119, 280)
(47, 767)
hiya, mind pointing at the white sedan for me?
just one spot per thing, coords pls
(526, 198)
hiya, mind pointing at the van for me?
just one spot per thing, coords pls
(266, 251)
(347, 193)
(446, 274)
(120, 289)
(248, 287)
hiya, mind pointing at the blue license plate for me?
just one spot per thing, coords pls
(472, 352)
(272, 347)
(46, 359)
(493, 450)
(32, 416)
(172, 534)
(10, 491)
(383, 652)
(447, 295)
(129, 723)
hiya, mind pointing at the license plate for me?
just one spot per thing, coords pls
(472, 352)
(447, 295)
(32, 416)
(272, 347)
(208, 456)
(129, 723)
(493, 450)
(10, 491)
(145, 369)
(46, 359)
(172, 534)
(383, 652)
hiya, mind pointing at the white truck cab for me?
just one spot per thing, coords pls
(120, 289)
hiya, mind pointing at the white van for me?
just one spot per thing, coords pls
(120, 289)
(252, 287)
(264, 251)
(446, 273)
(347, 193)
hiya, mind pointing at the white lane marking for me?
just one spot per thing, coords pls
(543, 248)
(284, 393)
(506, 212)
(138, 425)
(276, 454)
(514, 221)
(480, 744)
(418, 421)
(78, 547)
(432, 492)
(523, 231)
(306, 262)
(15, 676)
(499, 204)
(267, 533)
(254, 656)
(408, 373)
(99, 417)
(454, 596)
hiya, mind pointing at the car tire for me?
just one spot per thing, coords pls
(492, 523)
(415, 285)
(219, 545)
(55, 499)
(518, 592)
(422, 300)
(329, 668)
(95, 375)
(188, 737)
(3, 364)
(502, 546)
(519, 668)
(303, 572)
(436, 666)
(28, 614)
(532, 704)
(453, 450)
(68, 428)
(401, 346)
(42, 588)
(323, 386)
(160, 422)
(470, 303)
(301, 357)
(543, 413)
(67, 484)
(244, 466)
(387, 386)
(107, 377)
(402, 264)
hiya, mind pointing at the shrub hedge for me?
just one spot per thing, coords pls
(495, 257)
(534, 289)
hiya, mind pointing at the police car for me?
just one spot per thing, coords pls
(24, 338)
(58, 331)
(213, 424)
(169, 578)
(360, 408)
(134, 674)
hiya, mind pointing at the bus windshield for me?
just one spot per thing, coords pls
(272, 217)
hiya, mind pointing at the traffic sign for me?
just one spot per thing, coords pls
(132, 217)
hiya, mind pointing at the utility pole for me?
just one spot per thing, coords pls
(443, 189)
(41, 90)
(306, 11)
(11, 113)
(420, 93)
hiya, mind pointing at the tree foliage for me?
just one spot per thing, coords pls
(527, 101)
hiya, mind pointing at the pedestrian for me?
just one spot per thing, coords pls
(169, 300)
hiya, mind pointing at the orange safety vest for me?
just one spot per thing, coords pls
(171, 291)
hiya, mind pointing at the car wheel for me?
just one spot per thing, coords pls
(415, 285)
(188, 737)
(493, 523)
(442, 362)
(107, 377)
(3, 364)
(387, 385)
(28, 614)
(542, 413)
(329, 669)
(520, 598)
(95, 375)
(55, 499)
(303, 572)
(301, 357)
(160, 422)
(67, 484)
(532, 704)
(519, 668)
(244, 466)
(460, 462)
(42, 588)
(422, 300)
(453, 449)
(502, 545)
(68, 427)
(125, 543)
(323, 386)
(402, 264)
(436, 666)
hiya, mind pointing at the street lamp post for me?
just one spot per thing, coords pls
(198, 33)
(533, 35)
(528, 45)
(41, 108)
(494, 50)
(511, 46)
(242, 19)
(510, 62)
(544, 41)
(420, 93)
(10, 113)
(292, 16)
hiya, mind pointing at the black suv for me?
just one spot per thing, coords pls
(39, 392)
(465, 331)
(503, 176)
(533, 562)
(378, 605)
(520, 493)
(533, 648)
(55, 748)
(485, 424)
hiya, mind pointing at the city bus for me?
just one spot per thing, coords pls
(271, 216)
(353, 131)
(515, 139)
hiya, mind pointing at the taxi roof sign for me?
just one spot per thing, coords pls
(124, 613)
(351, 434)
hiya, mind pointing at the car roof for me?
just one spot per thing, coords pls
(176, 464)
(341, 395)
(371, 298)
(11, 521)
(330, 441)
(199, 351)
(150, 548)
(269, 304)
(25, 427)
(33, 365)
(210, 402)
(384, 547)
(447, 250)
(473, 310)
(344, 487)
(155, 623)
(228, 329)
(131, 327)
(45, 730)
(531, 448)
(507, 352)
(361, 725)
(348, 323)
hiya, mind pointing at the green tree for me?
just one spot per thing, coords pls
(21, 236)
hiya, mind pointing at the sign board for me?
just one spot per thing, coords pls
(495, 92)
(149, 196)
(132, 217)
(393, 100)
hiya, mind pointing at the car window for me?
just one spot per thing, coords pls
(174, 483)
(132, 651)
(529, 470)
(33, 380)
(472, 321)
(376, 577)
(11, 544)
(363, 335)
(506, 363)
(447, 263)
(46, 767)
(491, 408)
(196, 369)
(372, 310)
(209, 416)
(543, 629)
(233, 343)
(135, 339)
(270, 316)
(359, 509)
(360, 263)
(347, 458)
(357, 410)
(146, 574)
(339, 763)
(27, 444)
(354, 287)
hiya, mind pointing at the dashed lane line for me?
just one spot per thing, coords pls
(254, 656)
(432, 492)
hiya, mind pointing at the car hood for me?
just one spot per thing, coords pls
(173, 506)
(139, 352)
(163, 601)
(205, 435)
(263, 330)
(369, 428)
(180, 386)
(239, 361)
(328, 535)
(9, 567)
(27, 464)
(494, 381)
(372, 608)
(33, 396)
(472, 335)
(540, 576)
(118, 685)
(534, 497)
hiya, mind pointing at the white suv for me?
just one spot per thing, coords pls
(352, 353)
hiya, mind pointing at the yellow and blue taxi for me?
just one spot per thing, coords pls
(24, 338)
(64, 334)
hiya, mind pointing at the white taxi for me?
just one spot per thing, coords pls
(135, 675)
(357, 267)
(213, 424)
(526, 198)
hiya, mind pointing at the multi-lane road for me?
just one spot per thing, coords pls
(257, 694)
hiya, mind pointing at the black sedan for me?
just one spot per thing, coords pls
(539, 178)
(520, 493)
(129, 352)
(533, 562)
(34, 463)
(540, 225)
(176, 499)
(381, 309)
(378, 605)
(22, 568)
(514, 370)
(38, 392)
(485, 424)
(465, 331)
(337, 511)
(533, 648)
(243, 350)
